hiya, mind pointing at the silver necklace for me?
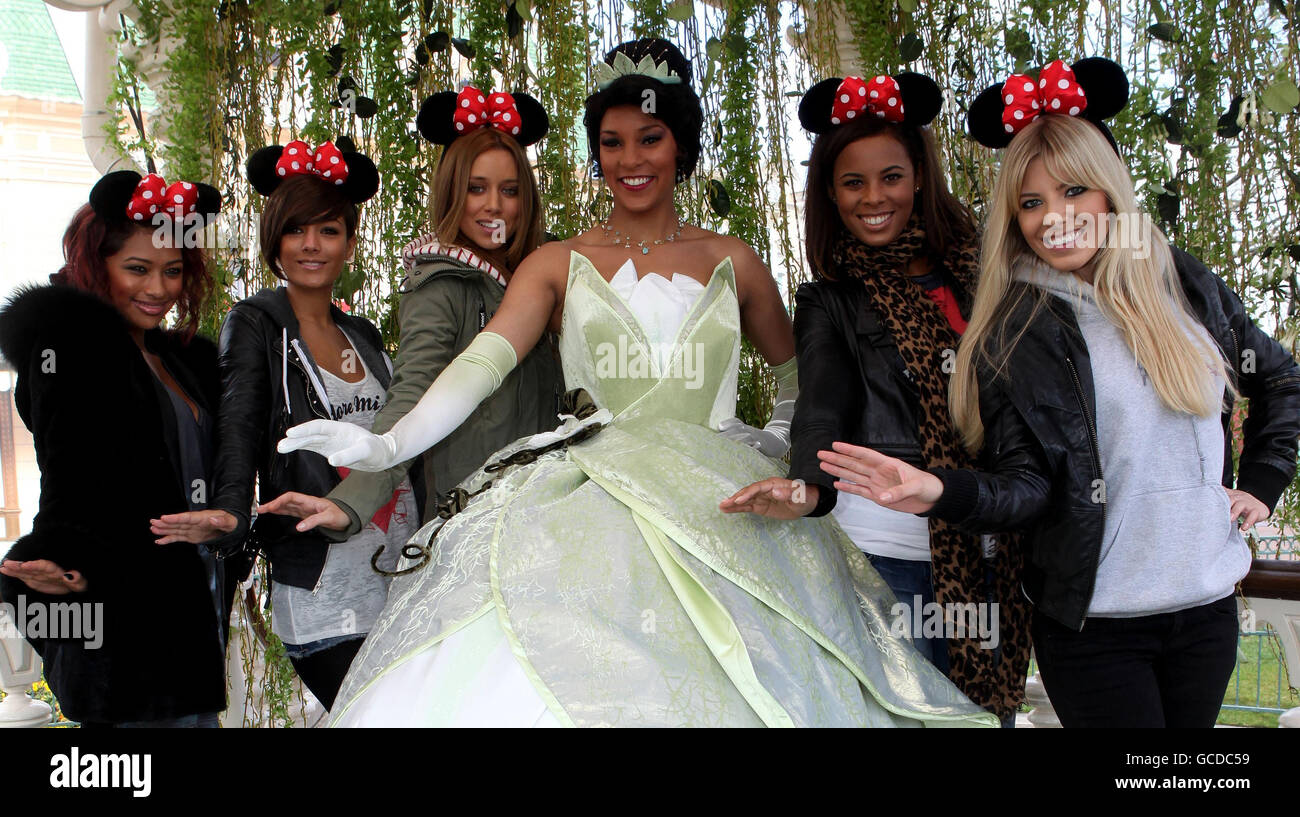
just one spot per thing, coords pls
(626, 242)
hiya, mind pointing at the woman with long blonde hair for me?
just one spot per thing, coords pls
(1098, 376)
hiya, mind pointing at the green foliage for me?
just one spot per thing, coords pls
(1210, 133)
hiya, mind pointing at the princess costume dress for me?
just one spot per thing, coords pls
(600, 585)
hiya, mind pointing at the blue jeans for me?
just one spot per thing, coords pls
(201, 720)
(910, 579)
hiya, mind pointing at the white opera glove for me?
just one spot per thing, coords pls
(342, 444)
(469, 379)
(773, 439)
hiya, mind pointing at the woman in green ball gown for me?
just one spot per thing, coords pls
(598, 583)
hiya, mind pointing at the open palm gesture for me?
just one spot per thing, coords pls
(886, 481)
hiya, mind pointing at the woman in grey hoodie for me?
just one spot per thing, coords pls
(1098, 376)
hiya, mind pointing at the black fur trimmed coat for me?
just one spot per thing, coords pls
(100, 421)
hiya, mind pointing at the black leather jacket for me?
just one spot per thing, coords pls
(268, 384)
(1041, 452)
(853, 384)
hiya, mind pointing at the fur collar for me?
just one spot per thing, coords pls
(82, 318)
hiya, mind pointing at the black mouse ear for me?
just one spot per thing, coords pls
(436, 118)
(209, 201)
(1105, 84)
(984, 119)
(922, 98)
(535, 121)
(260, 168)
(815, 107)
(363, 178)
(111, 194)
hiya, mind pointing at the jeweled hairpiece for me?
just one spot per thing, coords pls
(623, 66)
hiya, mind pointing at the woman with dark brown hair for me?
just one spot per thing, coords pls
(894, 258)
(486, 216)
(121, 413)
(289, 354)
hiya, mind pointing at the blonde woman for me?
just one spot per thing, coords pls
(486, 217)
(1098, 376)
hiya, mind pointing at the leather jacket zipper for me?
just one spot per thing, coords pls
(1236, 357)
(312, 400)
(1087, 418)
(1096, 455)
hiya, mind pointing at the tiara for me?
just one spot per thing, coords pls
(623, 66)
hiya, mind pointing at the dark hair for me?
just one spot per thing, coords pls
(676, 105)
(947, 221)
(300, 200)
(90, 239)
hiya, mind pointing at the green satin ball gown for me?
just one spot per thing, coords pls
(600, 585)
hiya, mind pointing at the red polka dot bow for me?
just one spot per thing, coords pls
(881, 96)
(1056, 91)
(326, 161)
(152, 196)
(474, 110)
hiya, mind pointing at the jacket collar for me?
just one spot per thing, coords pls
(274, 303)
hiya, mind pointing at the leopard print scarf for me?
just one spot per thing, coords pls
(927, 344)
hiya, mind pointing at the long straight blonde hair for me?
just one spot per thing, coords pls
(1134, 282)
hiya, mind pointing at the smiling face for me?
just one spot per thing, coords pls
(1063, 223)
(873, 186)
(312, 255)
(144, 281)
(638, 157)
(492, 207)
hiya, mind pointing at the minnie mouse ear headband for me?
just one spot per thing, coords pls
(907, 99)
(1093, 89)
(125, 195)
(447, 116)
(354, 174)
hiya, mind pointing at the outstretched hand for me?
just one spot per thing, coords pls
(886, 481)
(44, 576)
(194, 526)
(343, 444)
(776, 498)
(314, 511)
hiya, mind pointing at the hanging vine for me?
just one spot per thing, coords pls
(1210, 133)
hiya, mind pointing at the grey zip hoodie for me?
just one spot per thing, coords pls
(1168, 542)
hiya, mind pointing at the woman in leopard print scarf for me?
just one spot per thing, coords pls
(895, 258)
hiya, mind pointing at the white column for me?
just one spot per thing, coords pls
(1043, 716)
(20, 667)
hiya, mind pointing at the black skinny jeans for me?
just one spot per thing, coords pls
(1166, 670)
(322, 672)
